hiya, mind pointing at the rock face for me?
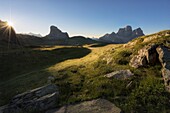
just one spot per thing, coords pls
(146, 55)
(123, 35)
(121, 74)
(39, 99)
(7, 33)
(93, 106)
(137, 32)
(164, 58)
(152, 54)
(127, 31)
(56, 33)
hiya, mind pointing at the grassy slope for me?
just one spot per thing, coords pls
(79, 73)
(25, 69)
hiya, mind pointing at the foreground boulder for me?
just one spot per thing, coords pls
(93, 106)
(164, 58)
(39, 99)
(146, 55)
(152, 54)
(121, 74)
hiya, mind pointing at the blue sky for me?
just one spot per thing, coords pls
(86, 17)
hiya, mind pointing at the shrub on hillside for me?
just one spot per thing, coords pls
(150, 96)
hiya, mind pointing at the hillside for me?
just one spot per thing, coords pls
(81, 74)
(10, 39)
(8, 36)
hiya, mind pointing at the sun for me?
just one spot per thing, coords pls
(10, 24)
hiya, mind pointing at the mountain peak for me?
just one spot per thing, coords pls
(128, 28)
(138, 32)
(126, 31)
(56, 33)
(123, 35)
(54, 28)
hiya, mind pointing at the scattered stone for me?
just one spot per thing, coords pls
(93, 106)
(121, 74)
(51, 79)
(129, 84)
(2, 108)
(39, 99)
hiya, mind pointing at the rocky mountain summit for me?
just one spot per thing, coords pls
(56, 33)
(123, 35)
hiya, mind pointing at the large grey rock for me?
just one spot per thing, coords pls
(93, 106)
(146, 55)
(164, 58)
(2, 108)
(151, 55)
(123, 35)
(138, 61)
(121, 74)
(56, 33)
(51, 79)
(39, 99)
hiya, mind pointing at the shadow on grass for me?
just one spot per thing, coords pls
(25, 70)
(21, 62)
(99, 45)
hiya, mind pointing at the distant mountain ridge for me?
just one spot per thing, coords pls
(57, 37)
(33, 34)
(123, 35)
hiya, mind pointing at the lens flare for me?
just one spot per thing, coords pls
(10, 24)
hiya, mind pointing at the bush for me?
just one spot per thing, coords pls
(122, 57)
(150, 96)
